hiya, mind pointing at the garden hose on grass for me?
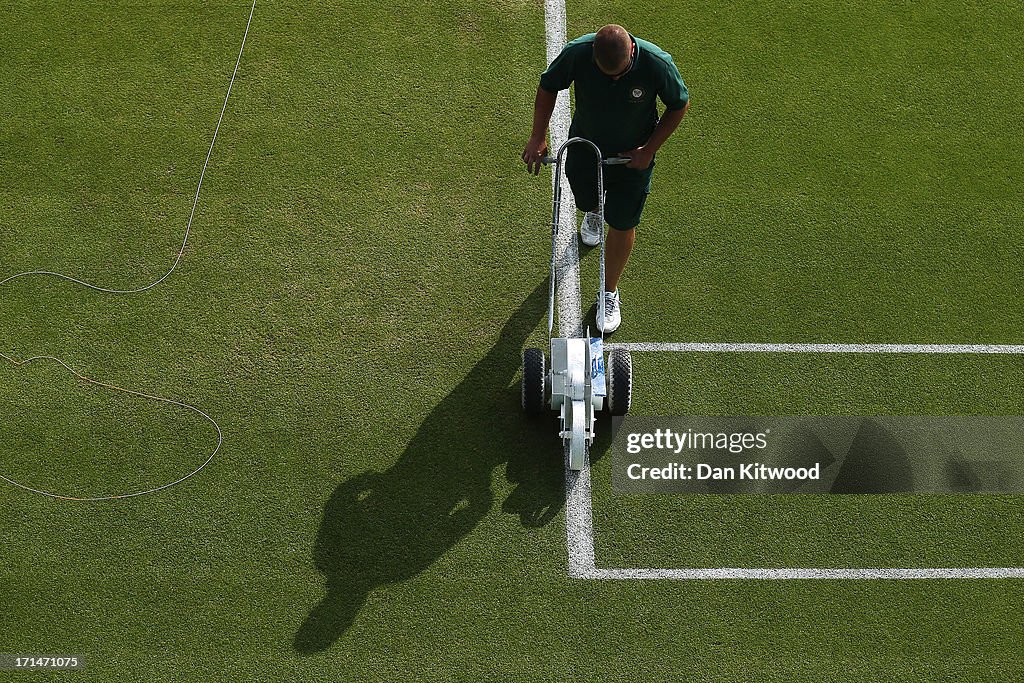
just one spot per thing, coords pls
(108, 290)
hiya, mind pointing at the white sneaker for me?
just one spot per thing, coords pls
(591, 228)
(609, 322)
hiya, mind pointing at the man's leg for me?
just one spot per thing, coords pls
(627, 194)
(618, 246)
(624, 205)
(581, 171)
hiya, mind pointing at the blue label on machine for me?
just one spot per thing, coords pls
(597, 378)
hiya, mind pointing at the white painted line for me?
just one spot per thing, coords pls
(777, 574)
(578, 522)
(725, 347)
(786, 573)
(567, 257)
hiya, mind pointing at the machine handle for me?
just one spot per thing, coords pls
(610, 161)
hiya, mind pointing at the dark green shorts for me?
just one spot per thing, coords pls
(626, 189)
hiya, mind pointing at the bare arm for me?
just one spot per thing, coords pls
(543, 105)
(641, 156)
(666, 126)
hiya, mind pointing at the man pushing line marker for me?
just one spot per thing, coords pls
(617, 77)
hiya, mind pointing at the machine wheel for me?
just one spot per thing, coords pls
(620, 381)
(534, 381)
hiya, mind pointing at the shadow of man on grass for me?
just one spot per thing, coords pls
(384, 527)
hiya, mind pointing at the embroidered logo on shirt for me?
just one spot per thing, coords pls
(637, 93)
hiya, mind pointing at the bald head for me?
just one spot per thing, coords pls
(613, 49)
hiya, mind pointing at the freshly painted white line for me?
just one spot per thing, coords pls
(776, 574)
(725, 347)
(578, 523)
(567, 257)
(786, 573)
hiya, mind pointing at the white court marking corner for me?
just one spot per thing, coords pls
(579, 521)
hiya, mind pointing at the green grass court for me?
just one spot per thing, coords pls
(367, 261)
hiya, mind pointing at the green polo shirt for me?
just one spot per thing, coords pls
(617, 115)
